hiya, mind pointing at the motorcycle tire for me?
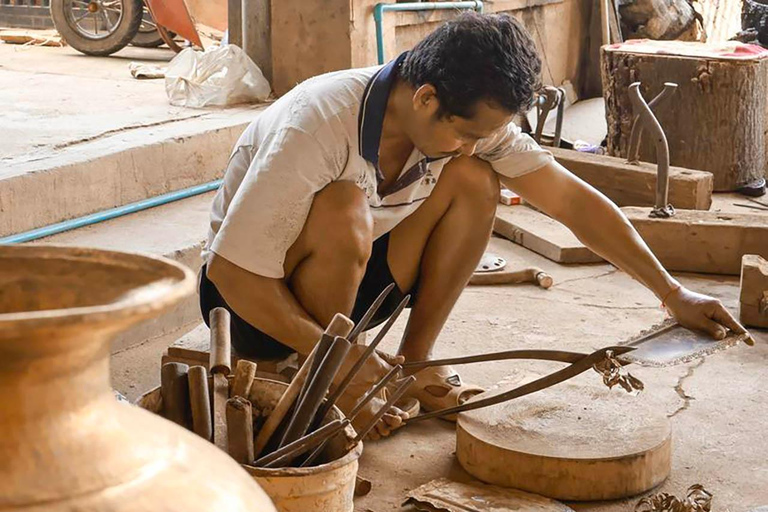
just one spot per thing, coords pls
(74, 28)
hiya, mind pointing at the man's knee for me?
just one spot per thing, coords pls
(475, 180)
(341, 222)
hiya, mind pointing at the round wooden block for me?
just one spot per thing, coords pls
(575, 441)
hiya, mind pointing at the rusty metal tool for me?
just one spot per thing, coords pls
(342, 387)
(220, 364)
(240, 430)
(316, 391)
(200, 402)
(635, 136)
(357, 408)
(174, 388)
(363, 323)
(549, 98)
(304, 443)
(245, 372)
(662, 209)
(339, 326)
(579, 364)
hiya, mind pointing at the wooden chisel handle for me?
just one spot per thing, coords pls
(199, 399)
(339, 326)
(221, 351)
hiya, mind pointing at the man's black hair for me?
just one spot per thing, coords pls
(477, 57)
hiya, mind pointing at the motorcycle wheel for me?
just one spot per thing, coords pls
(97, 27)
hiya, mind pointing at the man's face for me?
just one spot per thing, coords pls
(449, 135)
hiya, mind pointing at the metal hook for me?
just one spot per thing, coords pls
(643, 112)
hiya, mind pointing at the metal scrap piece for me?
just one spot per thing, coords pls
(614, 373)
(697, 499)
(445, 495)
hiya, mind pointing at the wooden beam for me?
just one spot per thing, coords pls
(753, 301)
(707, 242)
(635, 185)
(539, 233)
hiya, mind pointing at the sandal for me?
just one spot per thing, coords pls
(440, 387)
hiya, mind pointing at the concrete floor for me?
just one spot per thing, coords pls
(716, 405)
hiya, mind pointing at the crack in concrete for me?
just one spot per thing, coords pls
(687, 399)
(575, 279)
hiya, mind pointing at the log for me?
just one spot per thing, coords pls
(706, 242)
(717, 120)
(575, 441)
(753, 300)
(539, 233)
(635, 184)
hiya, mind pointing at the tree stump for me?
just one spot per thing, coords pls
(717, 120)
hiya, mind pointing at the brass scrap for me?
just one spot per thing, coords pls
(698, 499)
(613, 373)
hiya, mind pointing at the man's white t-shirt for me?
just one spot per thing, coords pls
(327, 129)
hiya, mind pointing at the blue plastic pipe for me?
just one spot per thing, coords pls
(112, 213)
(380, 9)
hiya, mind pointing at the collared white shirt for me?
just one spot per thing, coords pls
(328, 129)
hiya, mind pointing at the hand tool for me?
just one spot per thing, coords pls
(200, 402)
(286, 459)
(339, 326)
(174, 388)
(320, 351)
(308, 442)
(240, 430)
(579, 364)
(362, 486)
(356, 410)
(220, 367)
(752, 206)
(244, 375)
(363, 323)
(527, 275)
(316, 391)
(342, 387)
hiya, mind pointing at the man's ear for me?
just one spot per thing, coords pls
(425, 99)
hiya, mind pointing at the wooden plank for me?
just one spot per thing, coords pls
(635, 185)
(544, 235)
(706, 242)
(574, 441)
(753, 301)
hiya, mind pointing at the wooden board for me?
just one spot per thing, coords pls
(717, 120)
(575, 441)
(635, 185)
(539, 233)
(707, 242)
(754, 291)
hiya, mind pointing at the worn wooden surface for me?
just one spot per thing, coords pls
(635, 185)
(753, 301)
(575, 441)
(707, 242)
(539, 233)
(716, 121)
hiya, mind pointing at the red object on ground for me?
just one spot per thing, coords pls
(174, 16)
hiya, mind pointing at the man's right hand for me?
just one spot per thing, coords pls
(374, 369)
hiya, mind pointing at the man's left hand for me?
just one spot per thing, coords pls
(702, 313)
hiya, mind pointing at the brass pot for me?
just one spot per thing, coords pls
(65, 442)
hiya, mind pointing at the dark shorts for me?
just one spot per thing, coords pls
(248, 341)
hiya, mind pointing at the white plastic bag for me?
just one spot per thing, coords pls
(222, 75)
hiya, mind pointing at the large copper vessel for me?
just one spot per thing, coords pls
(65, 442)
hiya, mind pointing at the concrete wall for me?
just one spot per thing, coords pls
(308, 39)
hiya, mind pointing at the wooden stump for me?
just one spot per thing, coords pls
(753, 301)
(716, 121)
(575, 441)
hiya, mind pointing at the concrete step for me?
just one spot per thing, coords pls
(116, 167)
(177, 231)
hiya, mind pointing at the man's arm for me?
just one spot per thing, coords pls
(265, 302)
(601, 226)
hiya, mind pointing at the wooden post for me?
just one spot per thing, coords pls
(256, 26)
(718, 119)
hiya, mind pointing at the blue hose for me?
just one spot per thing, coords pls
(112, 213)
